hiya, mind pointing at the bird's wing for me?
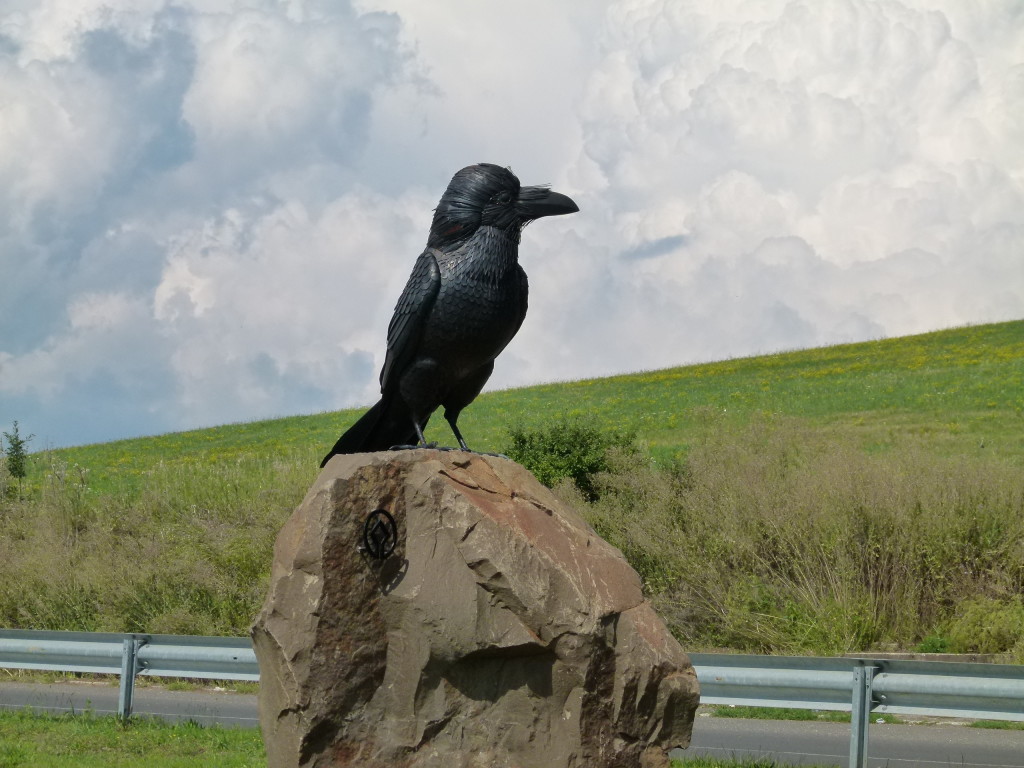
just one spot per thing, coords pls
(411, 311)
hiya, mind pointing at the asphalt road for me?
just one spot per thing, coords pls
(794, 743)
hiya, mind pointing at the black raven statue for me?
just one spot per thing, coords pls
(464, 301)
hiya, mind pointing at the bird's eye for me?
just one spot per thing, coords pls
(504, 197)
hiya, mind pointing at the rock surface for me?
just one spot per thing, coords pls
(502, 632)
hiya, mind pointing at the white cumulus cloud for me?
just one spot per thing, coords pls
(207, 210)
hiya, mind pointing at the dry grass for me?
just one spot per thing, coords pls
(189, 552)
(773, 537)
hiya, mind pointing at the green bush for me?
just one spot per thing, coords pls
(987, 625)
(935, 643)
(567, 448)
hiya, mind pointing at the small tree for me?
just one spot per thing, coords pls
(16, 455)
(567, 447)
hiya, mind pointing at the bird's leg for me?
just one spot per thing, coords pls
(421, 441)
(461, 394)
(462, 443)
(455, 428)
(419, 433)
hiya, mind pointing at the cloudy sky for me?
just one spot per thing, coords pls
(208, 209)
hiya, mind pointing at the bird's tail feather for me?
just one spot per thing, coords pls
(386, 424)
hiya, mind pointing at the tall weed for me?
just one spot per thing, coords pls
(775, 537)
(188, 552)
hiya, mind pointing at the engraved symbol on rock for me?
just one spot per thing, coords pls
(380, 534)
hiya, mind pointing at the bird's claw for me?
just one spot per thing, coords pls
(436, 447)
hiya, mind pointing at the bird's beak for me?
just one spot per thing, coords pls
(535, 202)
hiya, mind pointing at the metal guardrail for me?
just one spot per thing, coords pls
(863, 687)
(860, 686)
(129, 655)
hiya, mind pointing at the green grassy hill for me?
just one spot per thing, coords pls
(820, 500)
(956, 392)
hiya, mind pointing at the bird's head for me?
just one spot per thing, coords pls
(490, 196)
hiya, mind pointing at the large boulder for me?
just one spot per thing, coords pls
(502, 631)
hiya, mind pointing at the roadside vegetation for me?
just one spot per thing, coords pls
(34, 740)
(772, 537)
(849, 498)
(998, 725)
(807, 715)
(30, 740)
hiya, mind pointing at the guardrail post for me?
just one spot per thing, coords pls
(129, 668)
(860, 714)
